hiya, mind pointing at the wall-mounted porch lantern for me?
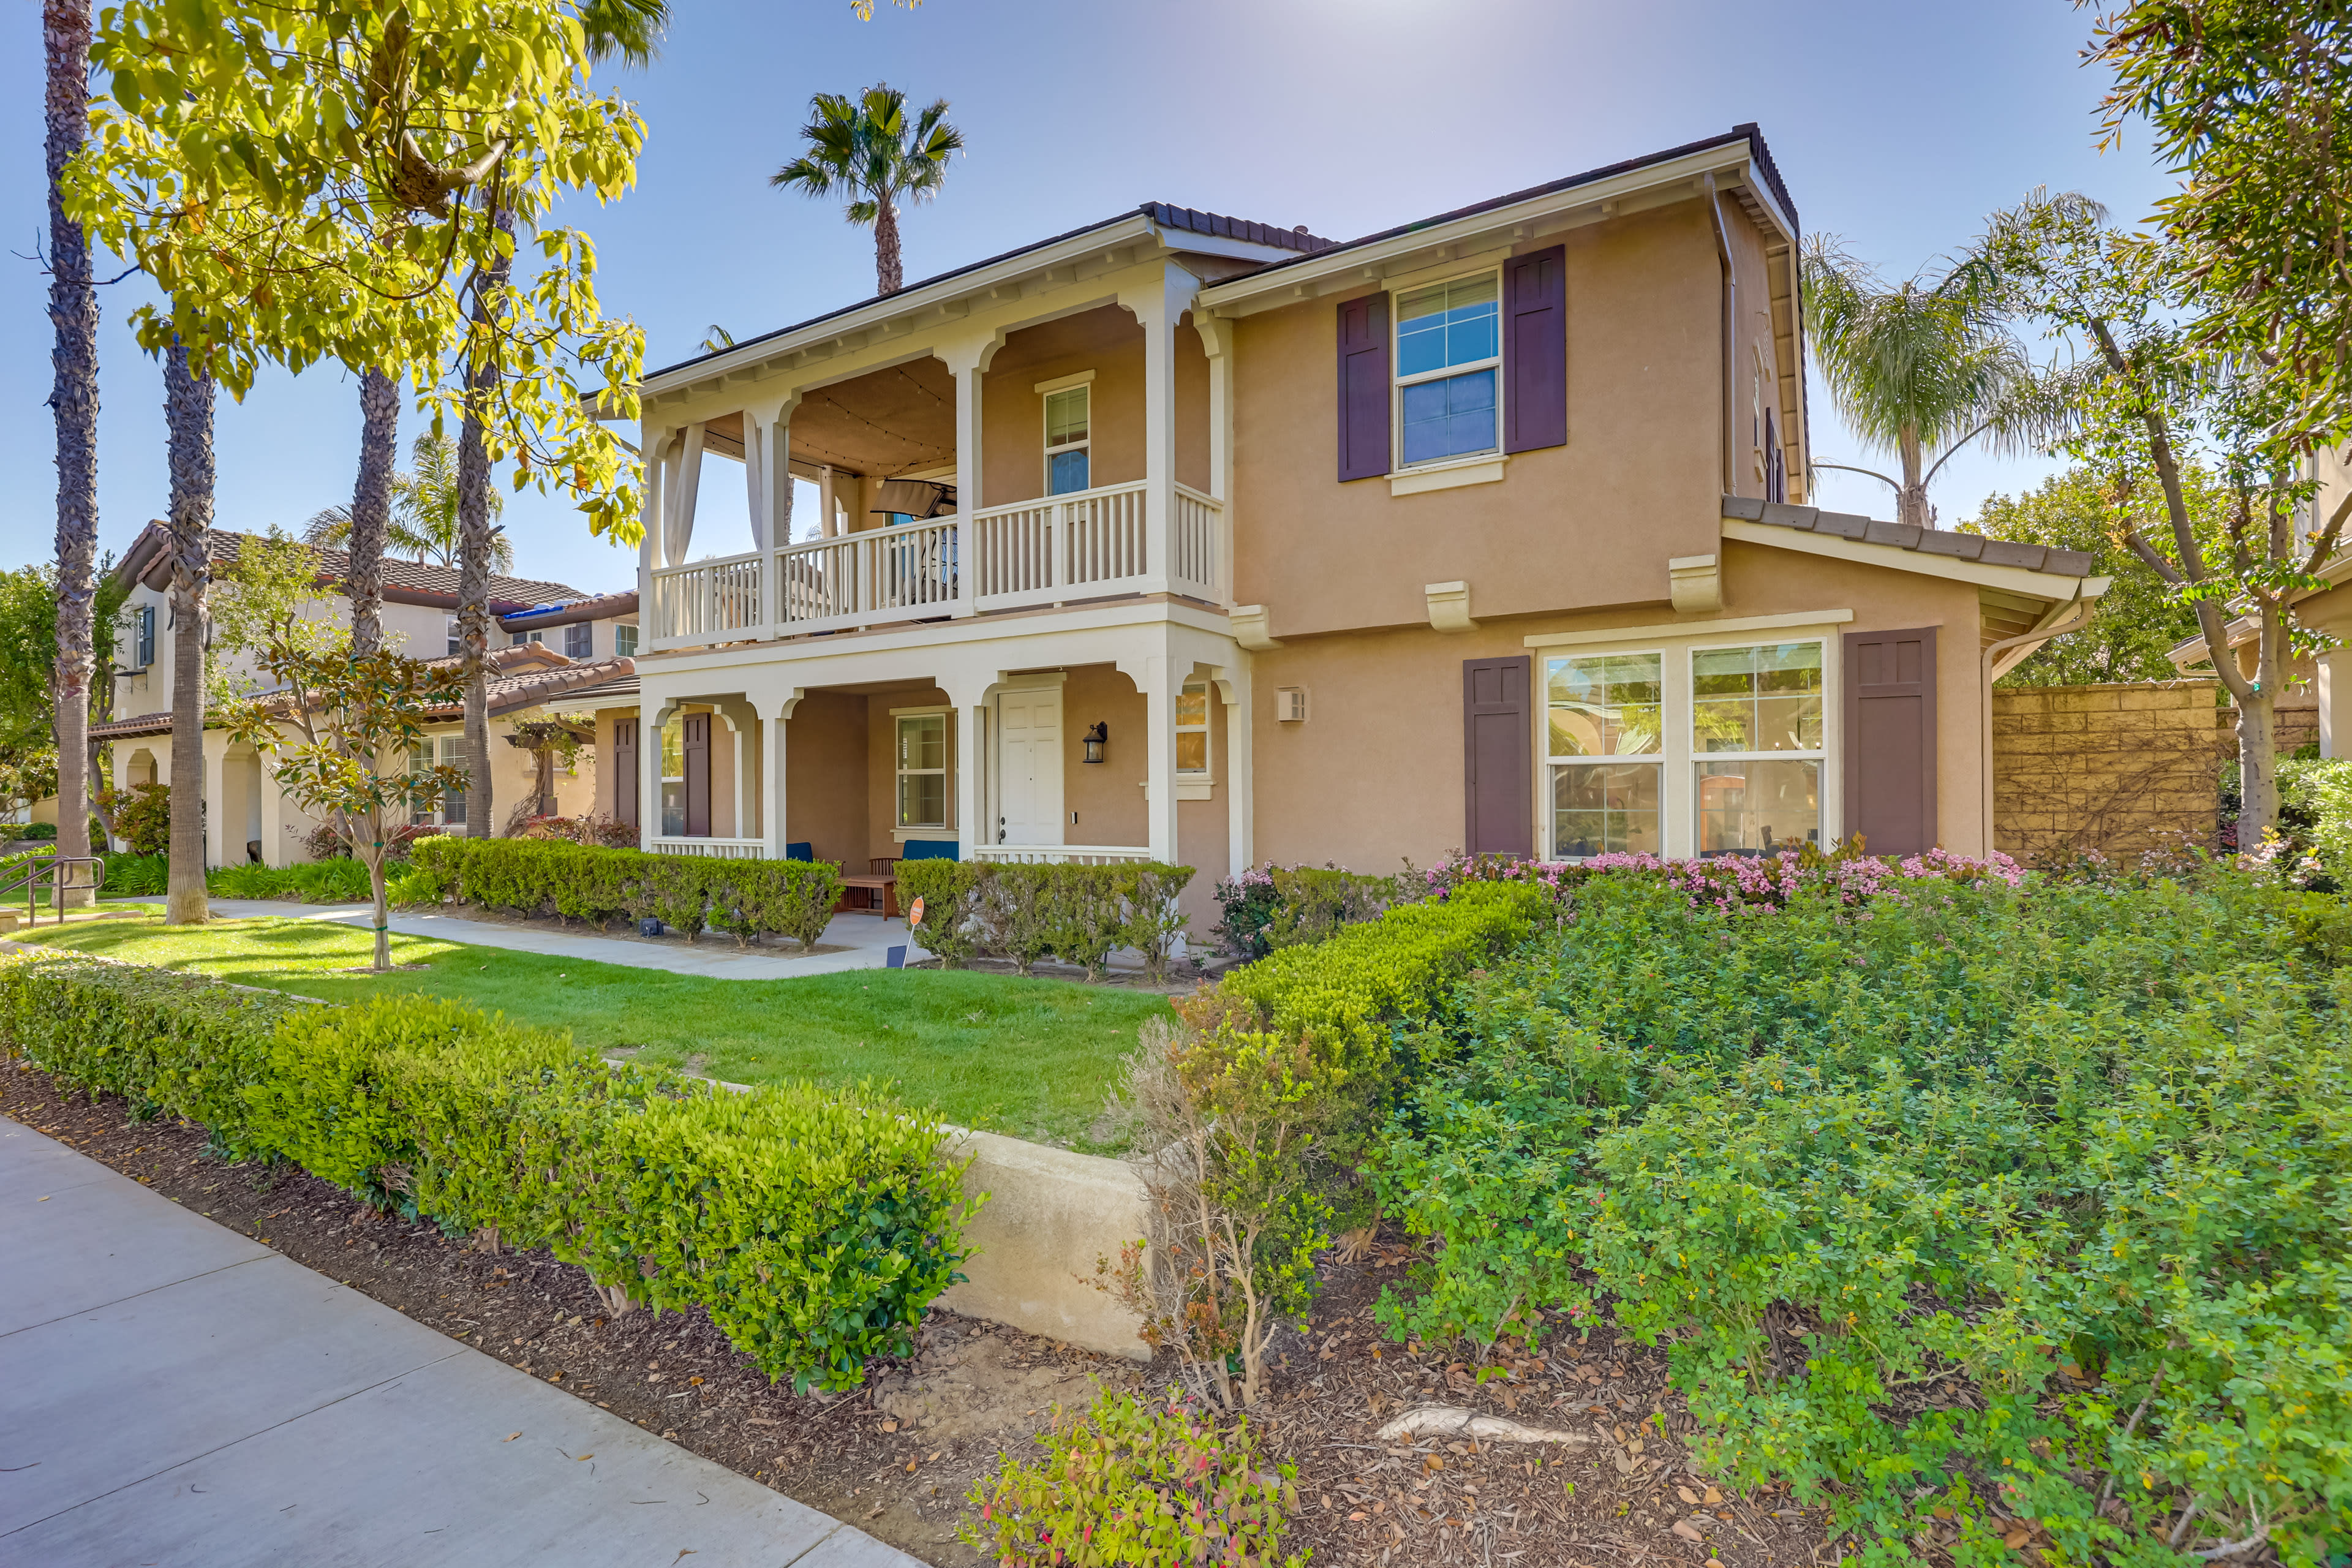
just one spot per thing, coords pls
(1096, 737)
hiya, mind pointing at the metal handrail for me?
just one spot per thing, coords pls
(29, 876)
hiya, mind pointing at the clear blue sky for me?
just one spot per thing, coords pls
(1897, 125)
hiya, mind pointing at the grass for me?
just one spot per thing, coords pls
(1035, 1058)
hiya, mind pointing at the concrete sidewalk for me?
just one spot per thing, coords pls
(178, 1396)
(864, 941)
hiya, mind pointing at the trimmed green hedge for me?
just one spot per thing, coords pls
(1023, 913)
(688, 893)
(812, 1227)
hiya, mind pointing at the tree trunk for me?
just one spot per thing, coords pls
(383, 960)
(1911, 501)
(73, 397)
(476, 543)
(372, 507)
(188, 413)
(888, 277)
(2258, 795)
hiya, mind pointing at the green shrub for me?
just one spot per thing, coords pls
(136, 876)
(142, 818)
(585, 882)
(1273, 906)
(1089, 916)
(1138, 1484)
(950, 928)
(1153, 919)
(814, 1227)
(1930, 1191)
(342, 880)
(1022, 912)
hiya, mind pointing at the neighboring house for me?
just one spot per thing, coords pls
(1194, 538)
(558, 648)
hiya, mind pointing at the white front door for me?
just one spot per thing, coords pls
(1029, 766)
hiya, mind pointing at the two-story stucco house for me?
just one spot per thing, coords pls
(558, 645)
(1196, 537)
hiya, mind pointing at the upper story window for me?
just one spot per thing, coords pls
(142, 651)
(625, 639)
(1449, 370)
(457, 637)
(578, 640)
(1192, 728)
(523, 638)
(1068, 441)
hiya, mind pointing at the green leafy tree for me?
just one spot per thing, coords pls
(1922, 367)
(2140, 616)
(2156, 400)
(870, 150)
(345, 733)
(424, 524)
(30, 671)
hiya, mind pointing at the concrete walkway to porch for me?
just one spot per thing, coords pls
(864, 941)
(180, 1394)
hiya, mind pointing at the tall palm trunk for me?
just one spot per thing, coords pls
(188, 415)
(477, 538)
(1911, 501)
(372, 507)
(73, 312)
(888, 277)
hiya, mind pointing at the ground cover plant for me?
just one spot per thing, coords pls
(1036, 1058)
(337, 879)
(813, 1226)
(1993, 1214)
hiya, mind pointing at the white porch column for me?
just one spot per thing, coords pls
(824, 508)
(1217, 342)
(1157, 308)
(766, 472)
(975, 823)
(968, 366)
(649, 542)
(677, 511)
(216, 803)
(774, 719)
(1241, 709)
(1158, 675)
(2335, 689)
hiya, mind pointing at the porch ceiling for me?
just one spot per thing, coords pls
(896, 420)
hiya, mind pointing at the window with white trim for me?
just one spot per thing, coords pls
(1757, 746)
(625, 639)
(922, 770)
(580, 639)
(521, 638)
(451, 626)
(437, 809)
(672, 778)
(1068, 440)
(1603, 715)
(1449, 370)
(1192, 730)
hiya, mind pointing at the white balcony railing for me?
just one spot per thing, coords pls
(717, 848)
(1093, 544)
(1062, 854)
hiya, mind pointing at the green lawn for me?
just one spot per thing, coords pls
(1032, 1058)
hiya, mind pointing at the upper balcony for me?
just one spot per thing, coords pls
(1047, 429)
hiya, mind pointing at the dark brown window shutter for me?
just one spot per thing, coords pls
(697, 776)
(1364, 387)
(626, 778)
(1890, 739)
(1498, 767)
(1535, 350)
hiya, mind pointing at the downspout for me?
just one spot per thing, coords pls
(2075, 621)
(1731, 319)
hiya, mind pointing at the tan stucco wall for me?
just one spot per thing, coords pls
(1203, 830)
(1106, 340)
(1108, 797)
(1376, 773)
(826, 803)
(1589, 524)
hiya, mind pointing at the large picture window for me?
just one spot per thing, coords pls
(1448, 370)
(1602, 710)
(1757, 729)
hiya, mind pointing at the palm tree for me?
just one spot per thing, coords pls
(423, 525)
(73, 311)
(370, 513)
(869, 151)
(188, 416)
(1922, 367)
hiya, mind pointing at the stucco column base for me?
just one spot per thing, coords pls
(1050, 1214)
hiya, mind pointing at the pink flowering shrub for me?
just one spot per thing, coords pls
(1730, 882)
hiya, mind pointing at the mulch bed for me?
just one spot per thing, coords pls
(1630, 1496)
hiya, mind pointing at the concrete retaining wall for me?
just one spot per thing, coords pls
(1050, 1213)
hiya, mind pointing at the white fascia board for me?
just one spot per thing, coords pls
(1218, 244)
(1241, 296)
(2052, 586)
(746, 359)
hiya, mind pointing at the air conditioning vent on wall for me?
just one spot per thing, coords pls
(1290, 704)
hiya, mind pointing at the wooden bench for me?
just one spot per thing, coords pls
(886, 886)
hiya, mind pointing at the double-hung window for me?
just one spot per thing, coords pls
(1757, 746)
(1192, 730)
(454, 629)
(1604, 716)
(673, 779)
(580, 639)
(625, 639)
(922, 770)
(520, 638)
(435, 806)
(1449, 364)
(1068, 440)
